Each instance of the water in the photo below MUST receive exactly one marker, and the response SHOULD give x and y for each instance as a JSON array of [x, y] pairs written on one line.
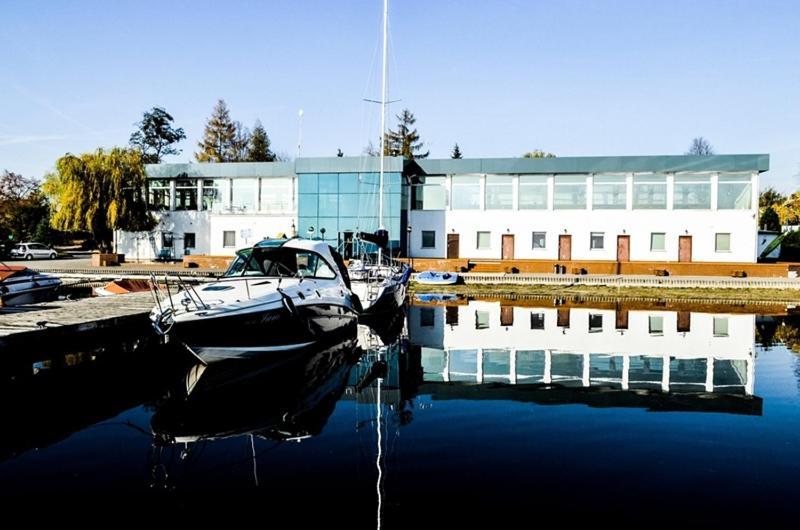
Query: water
[[471, 411]]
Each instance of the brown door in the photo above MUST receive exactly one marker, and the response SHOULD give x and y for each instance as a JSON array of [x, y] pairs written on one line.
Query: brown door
[[623, 248], [684, 321], [562, 317], [564, 248], [508, 246], [452, 246], [621, 321], [685, 248], [506, 315]]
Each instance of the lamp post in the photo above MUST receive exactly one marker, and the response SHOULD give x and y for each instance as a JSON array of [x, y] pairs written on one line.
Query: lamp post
[[408, 246]]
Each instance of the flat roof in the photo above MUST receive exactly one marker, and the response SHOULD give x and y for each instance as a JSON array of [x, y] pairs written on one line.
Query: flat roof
[[447, 166]]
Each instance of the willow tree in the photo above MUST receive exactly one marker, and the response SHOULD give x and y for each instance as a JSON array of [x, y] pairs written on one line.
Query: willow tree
[[100, 192]]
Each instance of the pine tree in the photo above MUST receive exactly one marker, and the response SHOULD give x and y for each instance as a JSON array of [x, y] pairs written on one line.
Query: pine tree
[[456, 153], [219, 136], [404, 141], [258, 150], [155, 137], [240, 144]]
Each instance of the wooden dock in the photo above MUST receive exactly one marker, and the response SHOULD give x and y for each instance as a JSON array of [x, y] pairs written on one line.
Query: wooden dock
[[52, 320]]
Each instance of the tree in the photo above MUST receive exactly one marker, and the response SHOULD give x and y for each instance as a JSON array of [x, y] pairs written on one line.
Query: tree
[[219, 136], [770, 197], [404, 141], [258, 150], [538, 153], [22, 207], [769, 220], [456, 153], [240, 144], [155, 136], [789, 210], [100, 192], [700, 147]]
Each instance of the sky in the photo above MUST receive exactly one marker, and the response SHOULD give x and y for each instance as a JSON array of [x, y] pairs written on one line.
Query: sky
[[500, 77]]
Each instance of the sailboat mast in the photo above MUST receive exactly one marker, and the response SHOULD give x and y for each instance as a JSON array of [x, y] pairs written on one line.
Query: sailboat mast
[[384, 97]]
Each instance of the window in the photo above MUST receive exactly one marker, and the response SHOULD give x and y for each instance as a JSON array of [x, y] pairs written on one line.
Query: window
[[734, 192], [186, 194], [430, 195], [595, 323], [569, 192], [188, 240], [537, 320], [466, 193], [228, 238], [276, 195], [649, 192], [692, 192], [244, 198], [722, 243], [596, 240], [428, 239], [533, 192], [167, 240], [311, 265], [499, 192], [656, 325], [426, 317], [539, 239], [658, 241], [720, 326], [215, 194], [481, 320], [609, 192], [484, 240], [158, 194]]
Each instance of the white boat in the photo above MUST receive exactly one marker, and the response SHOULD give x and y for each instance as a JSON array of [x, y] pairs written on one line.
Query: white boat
[[21, 285], [436, 278], [278, 295]]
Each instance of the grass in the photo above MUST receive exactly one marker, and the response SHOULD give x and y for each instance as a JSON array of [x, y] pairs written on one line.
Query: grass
[[745, 295]]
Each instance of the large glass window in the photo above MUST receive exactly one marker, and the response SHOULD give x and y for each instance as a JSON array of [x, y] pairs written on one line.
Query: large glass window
[[692, 192], [430, 195], [649, 192], [428, 239], [158, 194], [499, 192], [328, 183], [569, 192], [215, 193], [484, 240], [722, 243], [186, 194], [734, 192], [276, 195], [533, 192], [609, 192], [466, 193], [245, 195]]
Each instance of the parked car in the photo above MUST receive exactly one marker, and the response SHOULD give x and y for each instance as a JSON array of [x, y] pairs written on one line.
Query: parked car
[[33, 251]]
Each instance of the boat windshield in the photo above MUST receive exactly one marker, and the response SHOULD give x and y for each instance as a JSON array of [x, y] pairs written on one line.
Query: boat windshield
[[280, 262]]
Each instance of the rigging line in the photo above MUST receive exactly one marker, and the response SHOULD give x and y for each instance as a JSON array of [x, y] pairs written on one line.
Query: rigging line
[[380, 451]]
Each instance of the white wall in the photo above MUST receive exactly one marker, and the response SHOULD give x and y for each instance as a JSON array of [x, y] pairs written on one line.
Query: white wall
[[145, 246], [249, 229]]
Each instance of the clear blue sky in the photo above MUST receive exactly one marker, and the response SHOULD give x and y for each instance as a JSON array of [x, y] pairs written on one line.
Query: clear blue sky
[[498, 77]]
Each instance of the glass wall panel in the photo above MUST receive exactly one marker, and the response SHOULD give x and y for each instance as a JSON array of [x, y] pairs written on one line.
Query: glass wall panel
[[276, 195], [328, 183], [186, 194], [533, 192], [499, 192], [734, 192], [609, 192], [348, 183], [465, 193], [431, 195], [569, 192], [215, 194], [649, 192], [692, 192], [158, 194], [245, 195], [496, 363], [328, 205], [530, 364], [307, 183]]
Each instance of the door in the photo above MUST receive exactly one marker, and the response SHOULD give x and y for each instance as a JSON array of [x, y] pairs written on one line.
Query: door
[[506, 315], [562, 317], [508, 246], [621, 319], [685, 248], [684, 321], [452, 246], [623, 248], [564, 248]]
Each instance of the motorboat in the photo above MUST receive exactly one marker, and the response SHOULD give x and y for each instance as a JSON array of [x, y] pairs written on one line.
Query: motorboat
[[21, 285], [278, 295], [436, 278], [382, 285]]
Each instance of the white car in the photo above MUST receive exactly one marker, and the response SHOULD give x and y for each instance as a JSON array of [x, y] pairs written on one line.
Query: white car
[[33, 251]]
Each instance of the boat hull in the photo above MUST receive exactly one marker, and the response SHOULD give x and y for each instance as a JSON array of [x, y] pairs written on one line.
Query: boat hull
[[30, 296], [389, 299]]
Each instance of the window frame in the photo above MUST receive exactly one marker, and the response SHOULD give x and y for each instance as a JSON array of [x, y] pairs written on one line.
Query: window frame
[[422, 240], [717, 241], [224, 239], [592, 236], [543, 237], [664, 242], [478, 240]]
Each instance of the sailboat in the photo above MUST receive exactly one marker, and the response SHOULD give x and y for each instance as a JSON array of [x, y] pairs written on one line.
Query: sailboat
[[380, 286]]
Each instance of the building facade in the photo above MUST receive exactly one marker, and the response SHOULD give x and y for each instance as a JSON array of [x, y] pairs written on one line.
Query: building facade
[[642, 208]]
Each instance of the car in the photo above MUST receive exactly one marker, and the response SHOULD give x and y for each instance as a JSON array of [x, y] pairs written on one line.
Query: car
[[33, 250]]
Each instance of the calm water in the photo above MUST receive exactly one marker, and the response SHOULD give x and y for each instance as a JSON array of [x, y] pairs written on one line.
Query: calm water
[[470, 411]]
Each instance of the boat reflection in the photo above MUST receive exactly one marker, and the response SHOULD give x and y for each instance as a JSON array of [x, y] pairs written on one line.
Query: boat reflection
[[660, 360]]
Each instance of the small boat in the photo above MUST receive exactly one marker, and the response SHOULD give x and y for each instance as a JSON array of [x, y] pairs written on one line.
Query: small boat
[[436, 297], [122, 286], [21, 285], [279, 294], [437, 278], [380, 286]]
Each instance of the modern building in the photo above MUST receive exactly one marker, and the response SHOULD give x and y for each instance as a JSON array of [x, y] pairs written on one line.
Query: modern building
[[637, 208]]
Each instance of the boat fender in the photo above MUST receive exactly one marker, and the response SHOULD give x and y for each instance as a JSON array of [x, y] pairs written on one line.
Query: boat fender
[[288, 303]]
